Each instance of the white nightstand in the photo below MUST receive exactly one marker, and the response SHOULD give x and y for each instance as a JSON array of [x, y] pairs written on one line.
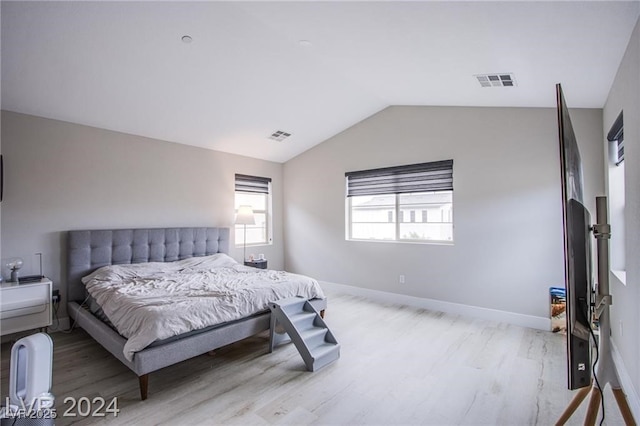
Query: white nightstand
[[25, 306]]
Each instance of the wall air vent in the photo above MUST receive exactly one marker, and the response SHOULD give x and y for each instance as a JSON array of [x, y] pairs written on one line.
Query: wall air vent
[[496, 80], [279, 135]]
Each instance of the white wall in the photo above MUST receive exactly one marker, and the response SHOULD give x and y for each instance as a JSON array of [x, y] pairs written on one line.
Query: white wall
[[1, 203], [625, 95], [508, 246], [61, 176]]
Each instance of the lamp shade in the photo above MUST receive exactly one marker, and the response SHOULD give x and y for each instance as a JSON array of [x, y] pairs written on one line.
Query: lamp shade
[[245, 216]]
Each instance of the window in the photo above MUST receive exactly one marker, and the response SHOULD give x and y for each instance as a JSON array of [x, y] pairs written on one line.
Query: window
[[616, 135], [617, 197], [420, 196], [254, 191]]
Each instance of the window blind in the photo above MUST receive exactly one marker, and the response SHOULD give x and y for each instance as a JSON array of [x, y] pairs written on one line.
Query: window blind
[[616, 134], [253, 184], [620, 151], [424, 177]]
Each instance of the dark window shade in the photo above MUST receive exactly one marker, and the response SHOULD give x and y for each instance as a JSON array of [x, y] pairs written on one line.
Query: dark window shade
[[617, 130], [620, 151], [424, 177], [253, 184], [616, 134]]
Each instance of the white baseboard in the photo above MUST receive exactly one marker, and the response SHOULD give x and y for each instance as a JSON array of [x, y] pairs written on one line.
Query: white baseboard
[[626, 382], [530, 321]]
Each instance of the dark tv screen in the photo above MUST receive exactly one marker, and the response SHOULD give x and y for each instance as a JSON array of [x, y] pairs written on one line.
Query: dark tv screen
[[577, 252]]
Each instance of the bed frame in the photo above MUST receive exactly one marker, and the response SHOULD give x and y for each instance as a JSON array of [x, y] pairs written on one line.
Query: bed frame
[[89, 250]]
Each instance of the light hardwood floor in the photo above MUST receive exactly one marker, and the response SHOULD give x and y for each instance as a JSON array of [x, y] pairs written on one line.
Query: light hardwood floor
[[398, 365]]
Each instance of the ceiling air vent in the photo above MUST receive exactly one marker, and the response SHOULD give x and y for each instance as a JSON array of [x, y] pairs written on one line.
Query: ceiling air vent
[[279, 135], [496, 80]]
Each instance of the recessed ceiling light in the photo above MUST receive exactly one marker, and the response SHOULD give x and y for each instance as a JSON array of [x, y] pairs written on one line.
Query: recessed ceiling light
[[305, 43], [186, 39], [503, 79]]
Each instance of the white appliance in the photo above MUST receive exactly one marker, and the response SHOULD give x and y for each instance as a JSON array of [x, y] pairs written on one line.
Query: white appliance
[[30, 377]]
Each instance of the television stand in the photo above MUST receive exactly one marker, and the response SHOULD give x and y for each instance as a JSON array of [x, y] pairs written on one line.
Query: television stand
[[606, 372]]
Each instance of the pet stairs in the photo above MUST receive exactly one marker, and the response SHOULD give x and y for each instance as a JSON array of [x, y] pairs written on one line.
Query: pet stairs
[[306, 329]]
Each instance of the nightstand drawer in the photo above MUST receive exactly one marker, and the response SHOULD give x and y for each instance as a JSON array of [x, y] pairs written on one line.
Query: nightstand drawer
[[260, 264], [25, 306]]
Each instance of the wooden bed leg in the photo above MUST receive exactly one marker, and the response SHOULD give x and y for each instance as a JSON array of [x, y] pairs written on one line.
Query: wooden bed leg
[[322, 313], [144, 386]]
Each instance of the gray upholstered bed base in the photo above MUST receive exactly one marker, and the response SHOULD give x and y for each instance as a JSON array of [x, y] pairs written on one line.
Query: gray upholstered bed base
[[89, 250]]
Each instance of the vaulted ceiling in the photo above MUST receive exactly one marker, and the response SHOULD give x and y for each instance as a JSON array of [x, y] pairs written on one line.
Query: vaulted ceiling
[[309, 69]]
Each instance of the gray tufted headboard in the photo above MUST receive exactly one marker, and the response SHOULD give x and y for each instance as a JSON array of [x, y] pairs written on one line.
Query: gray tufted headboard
[[89, 250]]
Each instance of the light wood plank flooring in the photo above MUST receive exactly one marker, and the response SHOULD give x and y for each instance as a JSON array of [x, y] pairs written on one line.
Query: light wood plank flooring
[[398, 365]]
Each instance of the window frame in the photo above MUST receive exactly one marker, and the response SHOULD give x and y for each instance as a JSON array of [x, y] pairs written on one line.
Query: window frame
[[616, 194], [268, 233], [398, 213], [421, 179]]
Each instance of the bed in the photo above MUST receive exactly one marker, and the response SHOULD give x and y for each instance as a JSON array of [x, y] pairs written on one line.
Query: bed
[[90, 250]]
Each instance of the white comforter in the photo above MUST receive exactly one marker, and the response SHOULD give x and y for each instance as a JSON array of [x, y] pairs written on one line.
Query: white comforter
[[153, 301]]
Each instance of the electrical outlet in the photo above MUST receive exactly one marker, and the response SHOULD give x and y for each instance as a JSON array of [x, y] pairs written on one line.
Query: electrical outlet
[[55, 296], [401, 279]]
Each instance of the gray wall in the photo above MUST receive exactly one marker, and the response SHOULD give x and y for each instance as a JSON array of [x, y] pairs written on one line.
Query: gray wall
[[508, 246], [625, 95], [62, 176]]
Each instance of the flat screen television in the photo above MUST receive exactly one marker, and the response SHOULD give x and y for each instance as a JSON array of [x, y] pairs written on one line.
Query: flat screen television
[[577, 252]]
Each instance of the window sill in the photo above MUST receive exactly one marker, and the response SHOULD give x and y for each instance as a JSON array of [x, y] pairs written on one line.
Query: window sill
[[429, 243], [621, 275], [239, 246]]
